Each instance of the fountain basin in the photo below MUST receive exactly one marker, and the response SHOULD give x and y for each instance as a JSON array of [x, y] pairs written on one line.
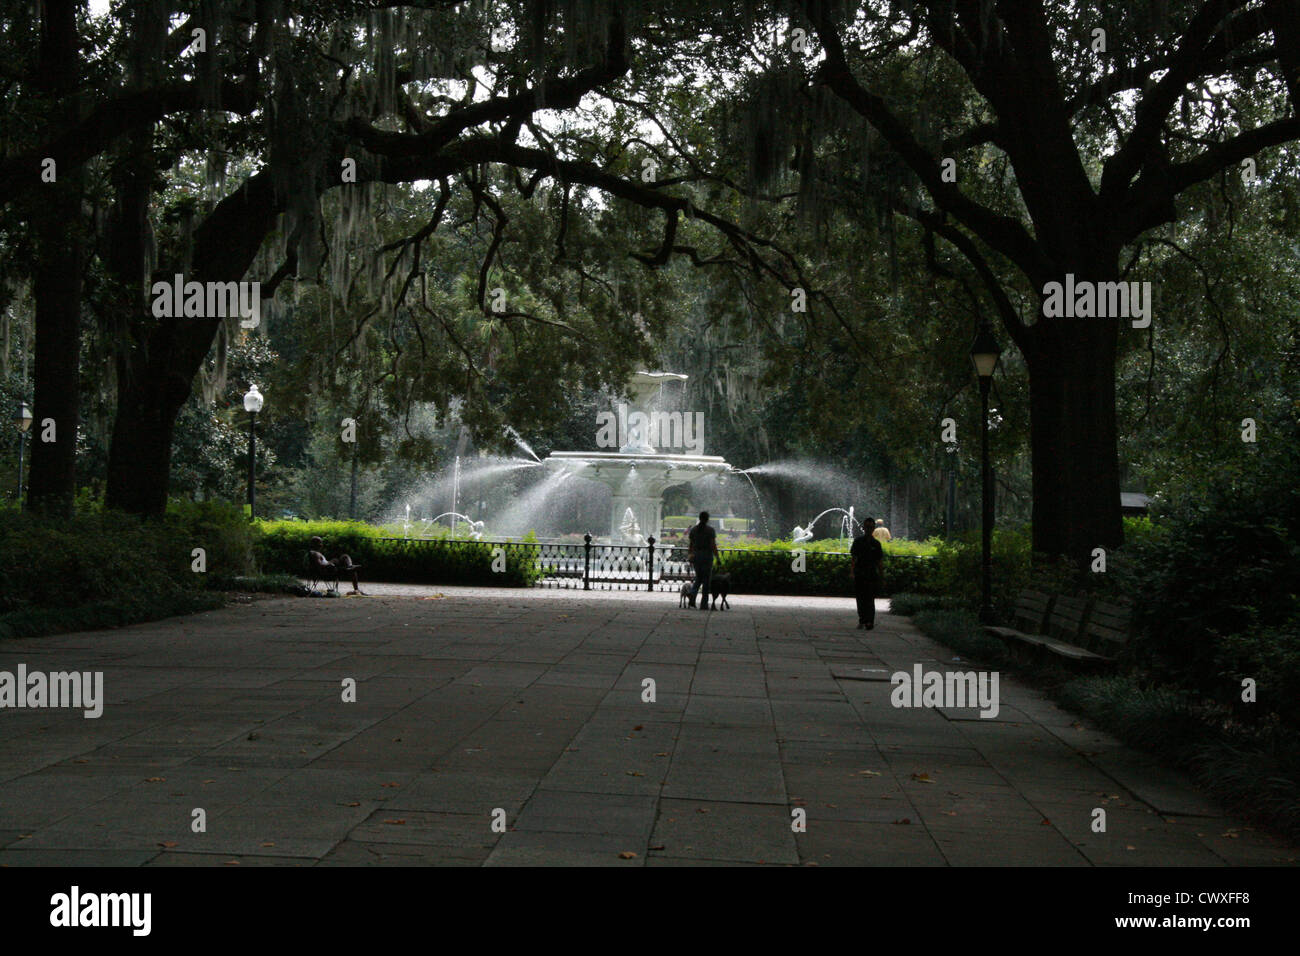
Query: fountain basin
[[637, 482]]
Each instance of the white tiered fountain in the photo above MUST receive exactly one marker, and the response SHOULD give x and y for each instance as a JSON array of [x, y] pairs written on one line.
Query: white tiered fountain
[[637, 474]]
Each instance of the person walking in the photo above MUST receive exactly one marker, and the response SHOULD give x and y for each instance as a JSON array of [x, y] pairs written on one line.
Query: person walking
[[866, 558], [881, 533], [702, 548]]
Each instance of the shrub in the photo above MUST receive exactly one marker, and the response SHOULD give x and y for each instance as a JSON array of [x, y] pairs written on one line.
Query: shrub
[[1223, 564], [910, 603], [959, 567], [1158, 718], [107, 568], [1271, 657], [961, 631], [282, 547]]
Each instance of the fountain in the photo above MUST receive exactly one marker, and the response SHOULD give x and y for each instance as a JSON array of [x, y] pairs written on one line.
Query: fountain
[[638, 474], [475, 527], [847, 523]]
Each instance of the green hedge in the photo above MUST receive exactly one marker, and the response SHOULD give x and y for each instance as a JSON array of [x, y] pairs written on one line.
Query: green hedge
[[106, 569], [282, 547], [774, 572]]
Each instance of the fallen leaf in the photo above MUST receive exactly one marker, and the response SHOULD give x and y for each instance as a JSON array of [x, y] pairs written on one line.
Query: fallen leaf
[[627, 855], [390, 784], [638, 727], [154, 779], [662, 754], [904, 820], [397, 823], [635, 773], [1044, 822], [268, 844], [659, 847], [922, 778], [232, 863], [169, 844], [701, 810]]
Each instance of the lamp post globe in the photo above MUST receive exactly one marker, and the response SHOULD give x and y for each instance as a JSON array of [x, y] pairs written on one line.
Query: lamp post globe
[[252, 405]]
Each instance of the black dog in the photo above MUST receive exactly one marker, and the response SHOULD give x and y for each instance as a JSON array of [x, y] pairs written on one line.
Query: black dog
[[720, 585]]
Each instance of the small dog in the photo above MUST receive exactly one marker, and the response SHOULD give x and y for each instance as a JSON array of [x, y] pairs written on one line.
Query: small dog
[[720, 585], [685, 595]]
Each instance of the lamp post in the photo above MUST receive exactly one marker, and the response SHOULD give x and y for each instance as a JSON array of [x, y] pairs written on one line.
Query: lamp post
[[950, 510], [252, 405], [984, 352], [22, 421]]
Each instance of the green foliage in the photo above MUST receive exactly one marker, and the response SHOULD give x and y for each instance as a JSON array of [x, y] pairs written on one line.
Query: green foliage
[[107, 569], [1224, 563], [907, 603], [961, 631], [282, 547], [1158, 718], [959, 563], [1271, 657], [772, 572]]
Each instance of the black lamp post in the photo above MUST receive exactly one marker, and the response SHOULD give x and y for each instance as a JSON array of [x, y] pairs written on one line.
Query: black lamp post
[[252, 405], [22, 421], [984, 352]]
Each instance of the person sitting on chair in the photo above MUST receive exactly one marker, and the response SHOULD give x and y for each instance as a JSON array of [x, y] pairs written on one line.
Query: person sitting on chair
[[341, 564]]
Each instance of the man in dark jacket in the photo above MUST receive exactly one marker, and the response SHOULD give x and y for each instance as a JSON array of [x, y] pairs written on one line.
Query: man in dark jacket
[[867, 557], [703, 548]]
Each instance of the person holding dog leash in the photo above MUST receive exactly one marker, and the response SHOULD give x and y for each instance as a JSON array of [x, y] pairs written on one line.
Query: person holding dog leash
[[702, 541]]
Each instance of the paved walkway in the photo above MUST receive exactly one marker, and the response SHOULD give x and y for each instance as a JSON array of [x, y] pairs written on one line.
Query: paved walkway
[[531, 703]]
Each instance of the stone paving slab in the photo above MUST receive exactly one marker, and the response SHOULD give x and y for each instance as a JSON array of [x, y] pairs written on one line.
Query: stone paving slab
[[511, 728]]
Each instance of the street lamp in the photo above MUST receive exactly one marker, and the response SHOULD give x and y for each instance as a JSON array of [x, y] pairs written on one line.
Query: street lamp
[[22, 421], [252, 405], [984, 352]]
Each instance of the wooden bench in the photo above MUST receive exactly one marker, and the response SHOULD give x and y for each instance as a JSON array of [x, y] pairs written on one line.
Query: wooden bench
[[1107, 630], [1071, 627], [1032, 610]]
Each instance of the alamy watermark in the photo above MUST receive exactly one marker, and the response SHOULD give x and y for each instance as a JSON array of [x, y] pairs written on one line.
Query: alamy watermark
[[1098, 300], [660, 430], [208, 300], [953, 689], [37, 689], [77, 909]]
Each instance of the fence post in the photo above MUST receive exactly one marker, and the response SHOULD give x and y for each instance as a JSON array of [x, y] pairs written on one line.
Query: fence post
[[586, 562], [650, 579]]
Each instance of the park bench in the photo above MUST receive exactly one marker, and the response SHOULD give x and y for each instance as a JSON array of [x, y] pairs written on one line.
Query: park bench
[[1107, 629], [1070, 627]]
